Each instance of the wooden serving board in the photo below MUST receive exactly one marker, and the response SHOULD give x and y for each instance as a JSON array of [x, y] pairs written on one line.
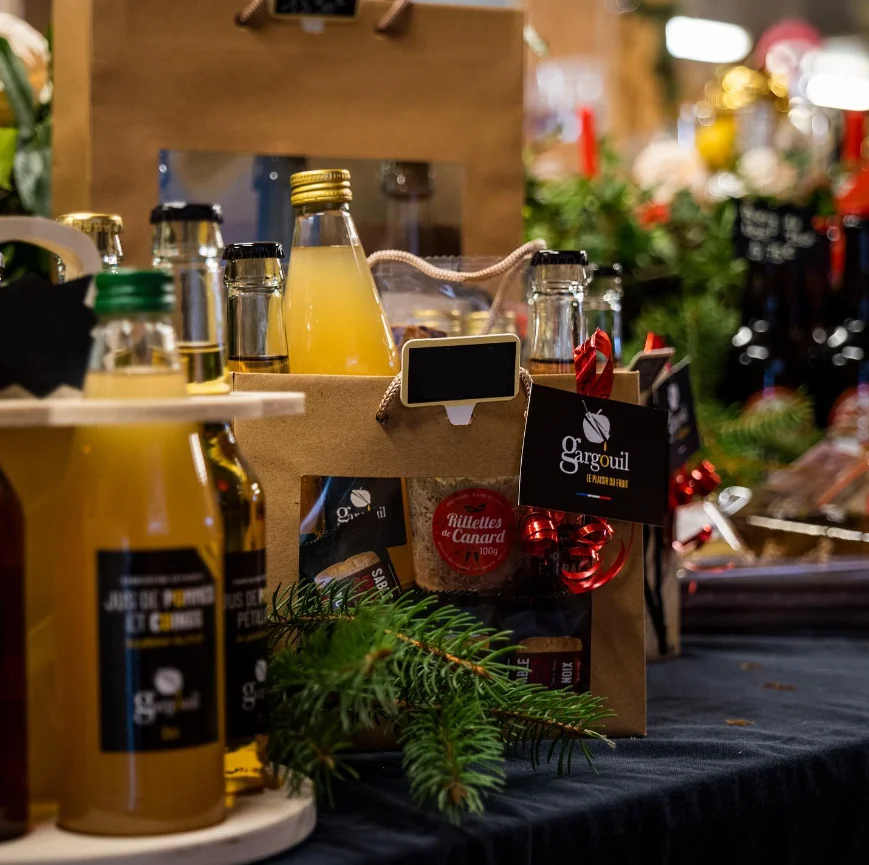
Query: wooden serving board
[[76, 411], [255, 828]]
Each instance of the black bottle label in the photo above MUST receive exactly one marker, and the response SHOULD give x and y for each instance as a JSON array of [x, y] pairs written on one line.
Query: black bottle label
[[158, 658], [246, 640]]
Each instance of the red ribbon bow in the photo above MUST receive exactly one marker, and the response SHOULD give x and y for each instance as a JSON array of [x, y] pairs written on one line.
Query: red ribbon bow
[[579, 539], [698, 483]]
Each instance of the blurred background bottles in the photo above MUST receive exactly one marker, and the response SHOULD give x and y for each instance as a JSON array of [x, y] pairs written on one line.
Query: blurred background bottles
[[13, 669], [105, 230], [407, 188], [602, 304], [555, 319], [764, 363], [335, 321], [254, 280], [186, 243], [145, 529], [846, 355]]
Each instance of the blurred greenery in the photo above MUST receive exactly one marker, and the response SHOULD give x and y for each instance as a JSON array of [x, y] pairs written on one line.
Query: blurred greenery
[[686, 246], [25, 162]]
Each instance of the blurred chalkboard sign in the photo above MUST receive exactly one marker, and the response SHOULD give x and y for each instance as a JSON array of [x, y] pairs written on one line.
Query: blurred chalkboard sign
[[345, 9], [773, 234]]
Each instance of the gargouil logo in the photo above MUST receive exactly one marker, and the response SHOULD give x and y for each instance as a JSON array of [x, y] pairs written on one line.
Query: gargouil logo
[[360, 501], [596, 429]]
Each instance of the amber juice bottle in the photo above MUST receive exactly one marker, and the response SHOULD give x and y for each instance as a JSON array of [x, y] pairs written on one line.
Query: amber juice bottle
[[13, 672], [242, 505], [188, 252], [140, 630]]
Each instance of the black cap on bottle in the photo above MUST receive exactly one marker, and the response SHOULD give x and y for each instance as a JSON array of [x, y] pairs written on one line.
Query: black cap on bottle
[[607, 271], [181, 211], [257, 249], [558, 257]]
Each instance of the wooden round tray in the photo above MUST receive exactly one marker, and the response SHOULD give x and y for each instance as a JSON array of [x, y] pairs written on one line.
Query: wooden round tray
[[255, 828], [76, 411]]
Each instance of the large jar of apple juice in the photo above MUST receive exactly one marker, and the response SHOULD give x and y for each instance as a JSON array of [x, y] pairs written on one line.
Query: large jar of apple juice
[[139, 603]]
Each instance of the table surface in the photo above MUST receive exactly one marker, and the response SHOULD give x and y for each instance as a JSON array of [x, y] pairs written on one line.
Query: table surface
[[792, 787]]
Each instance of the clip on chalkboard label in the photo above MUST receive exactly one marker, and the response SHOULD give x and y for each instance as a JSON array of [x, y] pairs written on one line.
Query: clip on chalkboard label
[[458, 372]]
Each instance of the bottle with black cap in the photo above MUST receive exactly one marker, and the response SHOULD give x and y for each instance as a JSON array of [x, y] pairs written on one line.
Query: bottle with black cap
[[254, 280], [186, 243], [602, 304], [556, 324]]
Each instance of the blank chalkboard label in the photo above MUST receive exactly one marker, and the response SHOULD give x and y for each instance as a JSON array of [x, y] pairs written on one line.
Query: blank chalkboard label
[[315, 8], [461, 370]]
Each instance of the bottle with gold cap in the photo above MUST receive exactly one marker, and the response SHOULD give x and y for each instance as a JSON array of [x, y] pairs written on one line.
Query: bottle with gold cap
[[335, 321], [105, 230]]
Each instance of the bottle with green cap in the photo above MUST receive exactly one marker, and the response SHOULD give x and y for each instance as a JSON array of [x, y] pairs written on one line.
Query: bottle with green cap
[[139, 606]]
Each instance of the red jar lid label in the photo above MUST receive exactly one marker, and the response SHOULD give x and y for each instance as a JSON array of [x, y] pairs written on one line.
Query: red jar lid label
[[473, 530]]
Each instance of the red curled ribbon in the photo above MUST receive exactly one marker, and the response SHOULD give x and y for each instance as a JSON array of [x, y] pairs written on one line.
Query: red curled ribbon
[[578, 540], [588, 381]]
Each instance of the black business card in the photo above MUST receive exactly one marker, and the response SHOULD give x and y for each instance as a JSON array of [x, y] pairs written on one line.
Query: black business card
[[594, 456], [674, 396]]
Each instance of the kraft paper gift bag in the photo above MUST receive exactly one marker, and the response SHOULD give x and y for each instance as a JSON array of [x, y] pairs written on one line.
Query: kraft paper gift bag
[[339, 437], [133, 78]]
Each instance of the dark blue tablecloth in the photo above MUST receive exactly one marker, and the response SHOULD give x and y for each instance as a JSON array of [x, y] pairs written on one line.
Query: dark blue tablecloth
[[791, 788]]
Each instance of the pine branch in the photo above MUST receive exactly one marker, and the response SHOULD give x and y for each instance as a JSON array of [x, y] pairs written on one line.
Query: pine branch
[[453, 756], [345, 663]]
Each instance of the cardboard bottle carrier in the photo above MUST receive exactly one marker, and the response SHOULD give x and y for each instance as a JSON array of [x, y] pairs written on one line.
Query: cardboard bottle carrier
[[339, 437]]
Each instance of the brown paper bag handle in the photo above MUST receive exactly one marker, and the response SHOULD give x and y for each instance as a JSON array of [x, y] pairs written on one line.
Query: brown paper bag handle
[[508, 266], [394, 388], [384, 25]]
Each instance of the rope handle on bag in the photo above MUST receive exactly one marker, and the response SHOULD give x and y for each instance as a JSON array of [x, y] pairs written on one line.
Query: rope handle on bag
[[508, 266], [384, 25]]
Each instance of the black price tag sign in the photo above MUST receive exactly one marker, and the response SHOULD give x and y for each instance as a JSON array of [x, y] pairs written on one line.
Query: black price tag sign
[[674, 395], [649, 365], [346, 9], [458, 372], [594, 456], [773, 235]]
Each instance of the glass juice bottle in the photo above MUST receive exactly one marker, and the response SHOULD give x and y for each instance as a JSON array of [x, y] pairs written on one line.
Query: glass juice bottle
[[335, 321], [186, 243], [254, 280], [556, 323], [105, 230], [142, 693], [242, 507], [335, 324], [13, 672]]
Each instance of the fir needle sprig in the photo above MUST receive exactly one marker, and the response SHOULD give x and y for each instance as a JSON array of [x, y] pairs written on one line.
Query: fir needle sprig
[[344, 664]]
